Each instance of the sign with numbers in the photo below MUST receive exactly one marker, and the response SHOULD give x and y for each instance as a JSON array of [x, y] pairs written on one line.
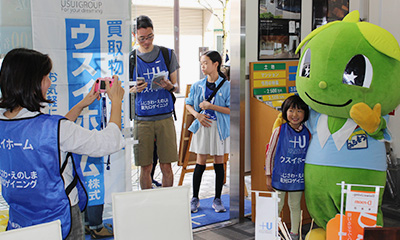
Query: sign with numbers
[[273, 81]]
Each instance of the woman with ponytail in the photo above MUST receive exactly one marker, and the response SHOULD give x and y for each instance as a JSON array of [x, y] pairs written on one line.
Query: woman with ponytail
[[211, 127]]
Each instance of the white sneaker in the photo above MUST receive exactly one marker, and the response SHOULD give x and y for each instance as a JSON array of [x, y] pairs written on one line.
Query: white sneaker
[[194, 204], [218, 206]]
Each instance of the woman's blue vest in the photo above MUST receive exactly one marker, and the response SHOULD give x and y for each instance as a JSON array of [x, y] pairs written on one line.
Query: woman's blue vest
[[31, 173], [151, 102], [291, 150]]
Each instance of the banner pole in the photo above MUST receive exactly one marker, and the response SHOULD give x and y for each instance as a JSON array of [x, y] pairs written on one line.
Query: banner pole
[[341, 210]]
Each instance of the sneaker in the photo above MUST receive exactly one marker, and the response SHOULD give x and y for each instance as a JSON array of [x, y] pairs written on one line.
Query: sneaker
[[194, 204], [294, 236], [218, 206], [101, 233]]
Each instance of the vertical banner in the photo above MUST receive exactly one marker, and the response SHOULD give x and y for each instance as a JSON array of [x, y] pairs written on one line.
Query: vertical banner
[[83, 57], [266, 226], [86, 39]]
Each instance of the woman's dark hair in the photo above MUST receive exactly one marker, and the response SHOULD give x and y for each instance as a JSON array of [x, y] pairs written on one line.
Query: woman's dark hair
[[144, 22], [215, 57], [21, 76], [294, 102]]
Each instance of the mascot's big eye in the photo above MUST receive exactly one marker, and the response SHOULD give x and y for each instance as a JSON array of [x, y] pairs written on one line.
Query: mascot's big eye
[[305, 64], [358, 72]]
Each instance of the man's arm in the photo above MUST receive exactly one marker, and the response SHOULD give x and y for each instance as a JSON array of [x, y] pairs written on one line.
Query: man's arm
[[173, 77], [173, 68]]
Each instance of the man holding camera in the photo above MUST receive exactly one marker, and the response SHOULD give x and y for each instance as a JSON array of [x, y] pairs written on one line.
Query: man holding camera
[[153, 105]]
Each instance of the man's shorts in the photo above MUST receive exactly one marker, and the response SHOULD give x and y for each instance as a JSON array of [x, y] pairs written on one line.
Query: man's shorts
[[163, 131]]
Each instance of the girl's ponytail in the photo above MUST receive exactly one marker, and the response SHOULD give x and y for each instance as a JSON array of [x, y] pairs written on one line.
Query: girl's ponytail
[[220, 73]]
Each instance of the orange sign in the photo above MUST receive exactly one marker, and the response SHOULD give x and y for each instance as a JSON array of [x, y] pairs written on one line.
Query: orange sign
[[361, 212], [352, 227]]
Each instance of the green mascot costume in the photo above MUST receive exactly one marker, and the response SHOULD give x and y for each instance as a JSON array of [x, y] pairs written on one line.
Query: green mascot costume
[[349, 75]]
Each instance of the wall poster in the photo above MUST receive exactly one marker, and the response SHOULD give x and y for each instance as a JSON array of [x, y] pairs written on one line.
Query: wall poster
[[279, 29]]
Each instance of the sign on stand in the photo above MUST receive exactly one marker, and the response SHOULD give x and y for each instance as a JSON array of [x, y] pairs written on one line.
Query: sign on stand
[[361, 212], [266, 216]]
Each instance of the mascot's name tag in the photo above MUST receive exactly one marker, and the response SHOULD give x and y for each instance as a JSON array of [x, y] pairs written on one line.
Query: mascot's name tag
[[357, 140]]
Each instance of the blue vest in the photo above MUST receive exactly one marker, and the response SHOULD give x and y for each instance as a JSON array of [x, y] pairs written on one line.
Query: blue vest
[[151, 102], [291, 150], [31, 173]]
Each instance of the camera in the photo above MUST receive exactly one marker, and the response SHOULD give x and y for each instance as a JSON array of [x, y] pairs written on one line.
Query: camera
[[101, 84]]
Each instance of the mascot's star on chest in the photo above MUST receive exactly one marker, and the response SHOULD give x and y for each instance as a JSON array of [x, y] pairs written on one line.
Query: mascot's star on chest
[[349, 75]]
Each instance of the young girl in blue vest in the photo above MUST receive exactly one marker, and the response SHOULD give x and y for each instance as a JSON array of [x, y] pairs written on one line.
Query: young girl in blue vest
[[285, 157], [211, 127], [40, 180]]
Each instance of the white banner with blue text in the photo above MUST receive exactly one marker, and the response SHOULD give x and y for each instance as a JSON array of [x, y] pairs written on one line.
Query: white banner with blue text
[[86, 40]]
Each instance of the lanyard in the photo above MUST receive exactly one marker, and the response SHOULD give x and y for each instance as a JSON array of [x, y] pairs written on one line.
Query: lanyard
[[103, 123]]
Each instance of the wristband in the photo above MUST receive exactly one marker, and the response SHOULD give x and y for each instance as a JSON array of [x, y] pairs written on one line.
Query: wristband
[[172, 89]]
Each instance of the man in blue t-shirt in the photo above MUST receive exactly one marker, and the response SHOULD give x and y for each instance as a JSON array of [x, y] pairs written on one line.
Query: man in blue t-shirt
[[155, 84]]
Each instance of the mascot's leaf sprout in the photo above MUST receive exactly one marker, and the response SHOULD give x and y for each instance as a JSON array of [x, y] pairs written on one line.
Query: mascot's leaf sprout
[[349, 62], [378, 37]]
